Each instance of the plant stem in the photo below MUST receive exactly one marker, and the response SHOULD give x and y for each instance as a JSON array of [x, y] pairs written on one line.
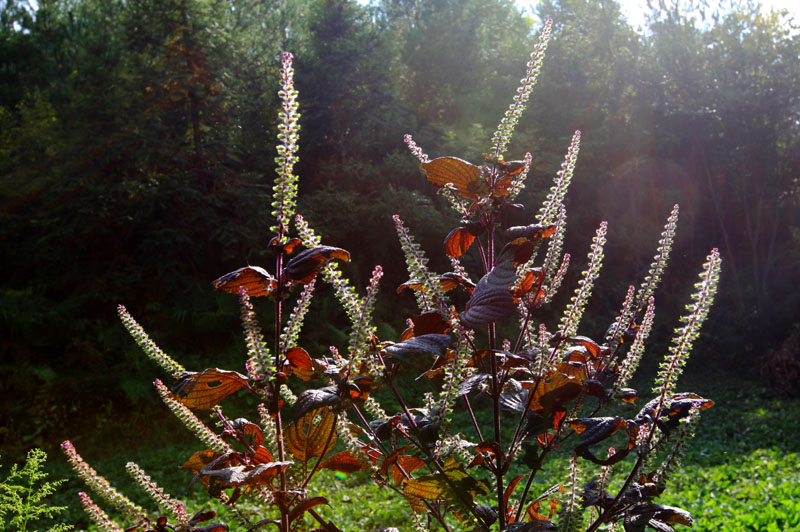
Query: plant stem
[[276, 388]]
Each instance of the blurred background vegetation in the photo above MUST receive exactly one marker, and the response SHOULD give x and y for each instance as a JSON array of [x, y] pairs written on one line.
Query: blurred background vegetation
[[136, 156]]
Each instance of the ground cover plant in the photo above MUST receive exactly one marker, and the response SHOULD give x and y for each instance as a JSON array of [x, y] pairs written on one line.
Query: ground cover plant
[[542, 387], [22, 496]]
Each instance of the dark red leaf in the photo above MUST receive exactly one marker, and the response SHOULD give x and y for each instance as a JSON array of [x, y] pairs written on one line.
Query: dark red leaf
[[427, 323], [289, 247], [427, 343], [409, 464], [304, 506], [250, 432], [458, 242], [510, 488], [257, 281], [303, 267], [314, 399], [447, 281], [216, 527], [465, 176], [206, 389], [491, 300]]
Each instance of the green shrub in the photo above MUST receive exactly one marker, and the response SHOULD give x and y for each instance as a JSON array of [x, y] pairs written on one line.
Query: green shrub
[[22, 495]]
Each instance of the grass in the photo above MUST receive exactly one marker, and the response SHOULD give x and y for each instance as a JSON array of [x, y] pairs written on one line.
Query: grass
[[742, 472]]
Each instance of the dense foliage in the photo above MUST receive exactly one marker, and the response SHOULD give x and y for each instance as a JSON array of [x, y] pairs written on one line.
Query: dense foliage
[[551, 383], [134, 145]]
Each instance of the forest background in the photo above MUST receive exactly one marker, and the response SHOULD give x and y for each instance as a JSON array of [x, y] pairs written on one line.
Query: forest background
[[136, 155]]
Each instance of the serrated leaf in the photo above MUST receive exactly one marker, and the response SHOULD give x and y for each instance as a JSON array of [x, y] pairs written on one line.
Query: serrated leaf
[[312, 435], [304, 266], [199, 460], [471, 384], [427, 343], [315, 399], [250, 432], [447, 281], [459, 487], [533, 232], [554, 392], [596, 429], [464, 175], [661, 512], [345, 461], [304, 506], [537, 525], [206, 389], [242, 475], [409, 464], [458, 241], [491, 299], [216, 527], [426, 323], [257, 281]]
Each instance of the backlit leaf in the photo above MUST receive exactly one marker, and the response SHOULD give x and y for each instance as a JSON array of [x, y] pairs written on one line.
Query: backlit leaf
[[459, 487], [303, 267], [409, 464], [447, 281], [533, 232], [242, 475], [464, 175], [256, 280], [206, 389], [199, 460], [554, 392], [533, 278], [300, 363], [427, 323], [345, 461], [292, 245], [458, 242], [250, 432], [312, 435]]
